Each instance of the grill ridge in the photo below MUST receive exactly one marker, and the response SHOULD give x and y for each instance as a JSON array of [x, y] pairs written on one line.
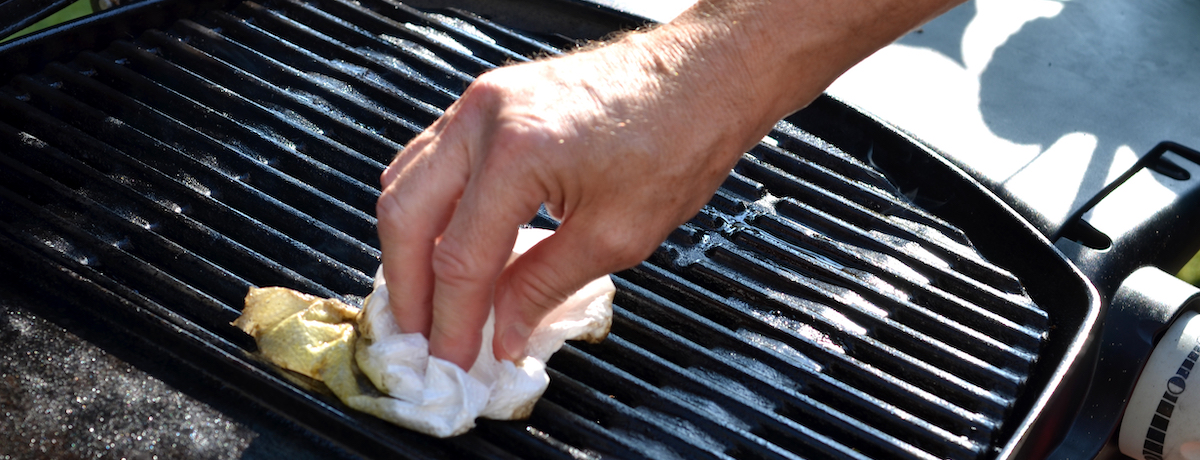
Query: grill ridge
[[809, 311], [774, 398]]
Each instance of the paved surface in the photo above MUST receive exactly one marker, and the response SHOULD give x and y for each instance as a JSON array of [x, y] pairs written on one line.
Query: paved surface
[[1047, 99], [63, 396]]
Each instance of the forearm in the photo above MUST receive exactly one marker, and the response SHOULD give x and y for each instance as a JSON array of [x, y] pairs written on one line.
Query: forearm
[[771, 57]]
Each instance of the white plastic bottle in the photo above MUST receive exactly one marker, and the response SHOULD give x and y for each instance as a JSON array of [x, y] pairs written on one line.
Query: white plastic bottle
[[1162, 421]]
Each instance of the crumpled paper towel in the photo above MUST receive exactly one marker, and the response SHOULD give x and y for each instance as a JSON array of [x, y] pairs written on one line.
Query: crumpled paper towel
[[377, 369]]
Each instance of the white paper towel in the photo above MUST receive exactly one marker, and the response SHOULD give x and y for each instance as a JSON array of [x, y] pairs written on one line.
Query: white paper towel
[[415, 390]]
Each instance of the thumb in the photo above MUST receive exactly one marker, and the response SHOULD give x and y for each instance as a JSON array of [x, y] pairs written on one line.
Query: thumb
[[543, 278]]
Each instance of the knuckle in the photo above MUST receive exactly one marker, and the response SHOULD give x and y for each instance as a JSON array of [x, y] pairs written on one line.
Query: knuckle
[[498, 79], [389, 210], [453, 266], [488, 80], [537, 291], [624, 247], [518, 132], [515, 135], [487, 90]]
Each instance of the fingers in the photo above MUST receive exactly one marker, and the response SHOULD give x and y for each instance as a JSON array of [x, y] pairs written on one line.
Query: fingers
[[415, 147], [417, 202], [447, 224], [470, 256], [555, 268]]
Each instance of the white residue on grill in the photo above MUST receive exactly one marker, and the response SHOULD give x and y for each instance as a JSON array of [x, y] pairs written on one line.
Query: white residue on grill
[[438, 36], [395, 64], [266, 133], [340, 87], [838, 293], [217, 164], [418, 50], [653, 448], [783, 350], [119, 243], [686, 430], [30, 140], [737, 390], [839, 319], [854, 299], [165, 203], [710, 408], [366, 74], [575, 452], [764, 205], [64, 246], [133, 217], [912, 249], [194, 184], [319, 103], [148, 191], [784, 323], [892, 265], [292, 116], [464, 27], [938, 237], [765, 372]]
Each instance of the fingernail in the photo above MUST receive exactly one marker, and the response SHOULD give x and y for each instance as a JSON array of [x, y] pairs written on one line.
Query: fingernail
[[514, 341]]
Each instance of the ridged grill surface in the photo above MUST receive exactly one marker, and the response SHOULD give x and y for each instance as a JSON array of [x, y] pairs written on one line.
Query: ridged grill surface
[[808, 311]]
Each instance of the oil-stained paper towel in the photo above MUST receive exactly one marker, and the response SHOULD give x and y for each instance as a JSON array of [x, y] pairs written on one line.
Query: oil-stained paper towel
[[372, 367]]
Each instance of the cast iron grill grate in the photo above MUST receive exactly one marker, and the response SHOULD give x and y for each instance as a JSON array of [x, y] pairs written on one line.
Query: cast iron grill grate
[[810, 310]]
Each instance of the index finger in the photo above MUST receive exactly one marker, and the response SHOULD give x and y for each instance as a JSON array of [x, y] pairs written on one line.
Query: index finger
[[413, 209]]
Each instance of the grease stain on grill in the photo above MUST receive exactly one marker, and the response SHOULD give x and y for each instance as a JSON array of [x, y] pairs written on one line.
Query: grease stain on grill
[[270, 134], [166, 203], [710, 408], [135, 218], [395, 64], [66, 247], [439, 36], [365, 74], [418, 50], [574, 452], [319, 103], [339, 87], [683, 428], [463, 27], [781, 322], [30, 140], [193, 183]]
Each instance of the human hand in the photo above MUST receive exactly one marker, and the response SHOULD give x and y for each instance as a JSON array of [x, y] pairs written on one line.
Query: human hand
[[622, 143], [607, 144]]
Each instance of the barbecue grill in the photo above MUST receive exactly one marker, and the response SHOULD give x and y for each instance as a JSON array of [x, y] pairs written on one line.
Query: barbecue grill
[[847, 293]]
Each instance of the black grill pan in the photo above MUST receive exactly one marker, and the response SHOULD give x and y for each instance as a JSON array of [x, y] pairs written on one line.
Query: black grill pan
[[846, 293]]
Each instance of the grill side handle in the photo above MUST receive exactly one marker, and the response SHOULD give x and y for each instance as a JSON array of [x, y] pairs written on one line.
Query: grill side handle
[[1130, 240], [1143, 218]]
